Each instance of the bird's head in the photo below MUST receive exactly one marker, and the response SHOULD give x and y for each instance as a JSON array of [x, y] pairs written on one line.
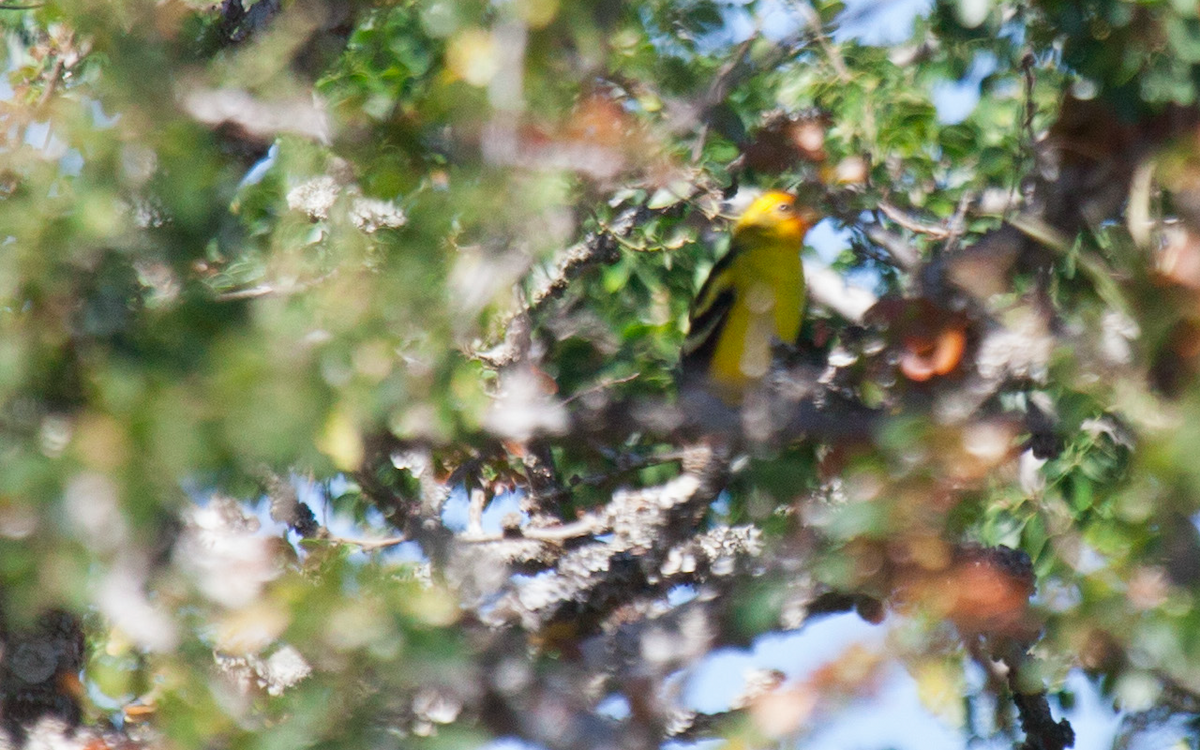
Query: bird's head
[[776, 215]]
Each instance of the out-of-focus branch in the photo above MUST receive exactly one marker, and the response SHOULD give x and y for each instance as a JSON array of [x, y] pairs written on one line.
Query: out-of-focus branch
[[596, 249], [419, 519], [829, 289], [52, 81], [1005, 628], [913, 225], [286, 506], [1094, 155], [643, 524], [623, 464], [542, 482], [641, 646], [742, 65], [831, 53], [275, 289], [901, 252], [1042, 732], [732, 71], [258, 117], [588, 526], [601, 247], [370, 545]]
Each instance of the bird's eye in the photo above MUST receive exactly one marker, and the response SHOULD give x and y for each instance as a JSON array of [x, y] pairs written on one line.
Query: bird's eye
[[784, 208]]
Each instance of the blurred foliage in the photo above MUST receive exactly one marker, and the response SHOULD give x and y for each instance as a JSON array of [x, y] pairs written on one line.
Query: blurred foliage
[[253, 251]]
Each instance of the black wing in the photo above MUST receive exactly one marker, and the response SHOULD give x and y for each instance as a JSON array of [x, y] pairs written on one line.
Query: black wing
[[710, 309]]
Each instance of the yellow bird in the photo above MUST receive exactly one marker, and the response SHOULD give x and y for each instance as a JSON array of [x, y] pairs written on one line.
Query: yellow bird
[[753, 296]]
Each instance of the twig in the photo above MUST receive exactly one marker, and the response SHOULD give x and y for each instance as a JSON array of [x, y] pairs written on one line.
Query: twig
[[52, 80], [601, 247], [1027, 62], [958, 223], [588, 526], [619, 238], [912, 225], [541, 483], [262, 290], [1095, 269], [831, 52], [1042, 732], [271, 289], [370, 545], [419, 518], [1025, 140], [601, 386], [626, 463], [596, 248], [730, 74], [698, 146], [905, 257]]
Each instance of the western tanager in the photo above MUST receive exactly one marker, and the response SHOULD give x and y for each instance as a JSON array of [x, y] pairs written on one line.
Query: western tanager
[[753, 296]]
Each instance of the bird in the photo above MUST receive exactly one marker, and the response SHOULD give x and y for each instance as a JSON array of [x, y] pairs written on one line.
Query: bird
[[753, 297]]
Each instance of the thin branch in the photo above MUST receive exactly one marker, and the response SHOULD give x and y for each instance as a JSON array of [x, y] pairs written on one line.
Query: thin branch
[[728, 75], [901, 252], [370, 545], [996, 675], [1025, 140], [419, 518], [698, 146], [595, 249], [1042, 732], [912, 225], [601, 386], [275, 289], [52, 80], [1175, 696], [625, 464], [1030, 105], [732, 72], [1095, 269], [958, 223], [831, 52], [584, 527], [262, 290]]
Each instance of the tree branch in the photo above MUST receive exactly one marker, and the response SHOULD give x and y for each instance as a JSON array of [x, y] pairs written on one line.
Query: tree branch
[[911, 224], [275, 289], [596, 249]]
